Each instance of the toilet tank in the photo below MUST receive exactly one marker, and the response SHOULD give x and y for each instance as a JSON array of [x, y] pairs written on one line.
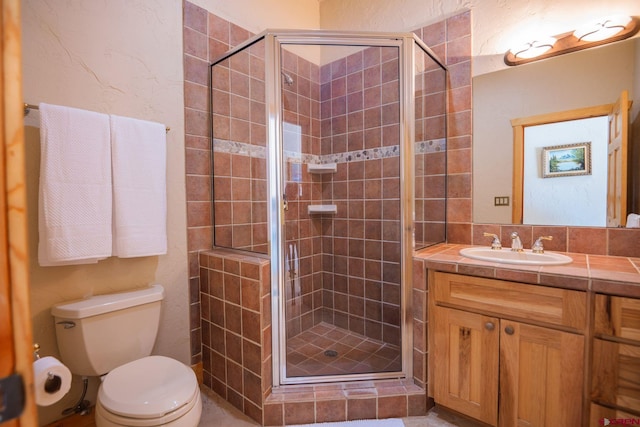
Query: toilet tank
[[102, 332]]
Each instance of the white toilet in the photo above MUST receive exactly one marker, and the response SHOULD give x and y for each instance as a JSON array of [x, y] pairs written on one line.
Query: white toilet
[[112, 336]]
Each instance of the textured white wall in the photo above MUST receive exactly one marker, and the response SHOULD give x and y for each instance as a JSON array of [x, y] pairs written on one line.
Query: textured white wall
[[259, 15], [382, 15]]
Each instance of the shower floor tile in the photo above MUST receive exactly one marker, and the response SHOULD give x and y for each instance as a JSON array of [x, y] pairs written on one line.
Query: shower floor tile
[[325, 349]]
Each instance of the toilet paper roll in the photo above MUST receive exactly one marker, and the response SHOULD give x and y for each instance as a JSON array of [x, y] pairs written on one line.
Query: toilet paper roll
[[52, 380]]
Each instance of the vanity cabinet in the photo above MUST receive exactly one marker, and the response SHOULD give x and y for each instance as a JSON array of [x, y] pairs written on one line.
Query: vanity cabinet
[[507, 353], [615, 365]]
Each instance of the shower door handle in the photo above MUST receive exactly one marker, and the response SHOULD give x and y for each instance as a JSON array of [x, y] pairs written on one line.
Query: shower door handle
[[285, 203]]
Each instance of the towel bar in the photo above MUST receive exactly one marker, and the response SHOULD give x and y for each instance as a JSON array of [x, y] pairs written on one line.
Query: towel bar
[[29, 107]]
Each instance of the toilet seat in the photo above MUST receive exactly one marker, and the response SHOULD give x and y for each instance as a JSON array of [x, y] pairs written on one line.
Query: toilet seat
[[186, 416], [154, 387]]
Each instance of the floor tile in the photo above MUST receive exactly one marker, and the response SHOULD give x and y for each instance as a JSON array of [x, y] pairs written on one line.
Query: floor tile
[[216, 412], [353, 353]]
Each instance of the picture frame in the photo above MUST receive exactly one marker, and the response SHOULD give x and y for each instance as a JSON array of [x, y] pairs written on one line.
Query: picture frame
[[566, 160]]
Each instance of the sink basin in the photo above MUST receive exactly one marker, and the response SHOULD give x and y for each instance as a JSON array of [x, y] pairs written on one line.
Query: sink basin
[[505, 255]]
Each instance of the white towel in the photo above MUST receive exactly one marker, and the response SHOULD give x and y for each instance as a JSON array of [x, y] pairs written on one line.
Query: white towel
[[138, 151], [74, 220], [633, 220]]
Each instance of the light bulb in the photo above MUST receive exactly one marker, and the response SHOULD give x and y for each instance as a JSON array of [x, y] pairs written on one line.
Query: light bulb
[[602, 29], [534, 48]]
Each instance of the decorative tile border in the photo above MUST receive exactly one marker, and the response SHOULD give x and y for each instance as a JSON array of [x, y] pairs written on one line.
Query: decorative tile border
[[230, 147], [242, 148], [431, 146]]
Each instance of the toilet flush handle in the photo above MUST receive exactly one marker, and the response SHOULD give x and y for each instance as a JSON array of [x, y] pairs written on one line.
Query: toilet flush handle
[[68, 324]]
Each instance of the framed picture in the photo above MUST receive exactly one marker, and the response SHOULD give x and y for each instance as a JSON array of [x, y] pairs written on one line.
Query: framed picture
[[566, 160]]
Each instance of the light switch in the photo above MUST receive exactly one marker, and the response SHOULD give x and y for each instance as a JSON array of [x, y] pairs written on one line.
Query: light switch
[[501, 201]]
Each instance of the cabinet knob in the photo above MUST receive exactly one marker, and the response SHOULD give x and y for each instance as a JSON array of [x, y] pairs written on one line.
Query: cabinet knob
[[489, 326], [509, 330]]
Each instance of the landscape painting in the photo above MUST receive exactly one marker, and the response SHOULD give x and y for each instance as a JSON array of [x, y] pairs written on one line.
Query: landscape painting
[[566, 160]]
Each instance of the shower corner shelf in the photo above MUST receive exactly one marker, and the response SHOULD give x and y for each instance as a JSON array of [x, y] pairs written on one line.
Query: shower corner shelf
[[322, 167], [322, 209]]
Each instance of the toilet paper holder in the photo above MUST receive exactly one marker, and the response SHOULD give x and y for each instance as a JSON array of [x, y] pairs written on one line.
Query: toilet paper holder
[[53, 382]]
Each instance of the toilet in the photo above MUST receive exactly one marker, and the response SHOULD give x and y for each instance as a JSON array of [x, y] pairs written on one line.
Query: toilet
[[112, 336]]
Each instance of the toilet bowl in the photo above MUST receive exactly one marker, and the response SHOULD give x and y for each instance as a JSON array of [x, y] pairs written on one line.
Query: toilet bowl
[[152, 391], [111, 336]]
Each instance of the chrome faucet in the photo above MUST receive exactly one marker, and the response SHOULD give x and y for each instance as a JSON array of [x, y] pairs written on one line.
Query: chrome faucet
[[516, 243], [537, 247], [495, 244]]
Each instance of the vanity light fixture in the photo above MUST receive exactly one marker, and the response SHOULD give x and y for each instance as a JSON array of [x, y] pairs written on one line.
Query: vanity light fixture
[[601, 32]]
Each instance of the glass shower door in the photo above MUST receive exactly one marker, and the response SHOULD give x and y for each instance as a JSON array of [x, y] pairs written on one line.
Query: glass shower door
[[342, 222]]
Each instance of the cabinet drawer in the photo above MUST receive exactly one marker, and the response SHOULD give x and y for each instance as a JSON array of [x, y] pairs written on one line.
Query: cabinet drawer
[[615, 374], [517, 300], [617, 317]]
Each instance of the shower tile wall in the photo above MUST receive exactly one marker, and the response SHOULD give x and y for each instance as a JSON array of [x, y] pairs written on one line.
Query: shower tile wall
[[430, 152], [360, 131], [236, 328], [239, 151], [205, 37]]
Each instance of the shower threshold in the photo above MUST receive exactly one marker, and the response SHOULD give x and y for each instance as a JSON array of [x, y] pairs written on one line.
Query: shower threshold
[[325, 349]]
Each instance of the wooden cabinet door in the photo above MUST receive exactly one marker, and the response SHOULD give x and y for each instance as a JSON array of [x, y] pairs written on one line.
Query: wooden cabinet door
[[615, 375], [541, 376], [465, 358]]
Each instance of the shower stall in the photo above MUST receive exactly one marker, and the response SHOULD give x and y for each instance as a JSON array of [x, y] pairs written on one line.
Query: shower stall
[[329, 157]]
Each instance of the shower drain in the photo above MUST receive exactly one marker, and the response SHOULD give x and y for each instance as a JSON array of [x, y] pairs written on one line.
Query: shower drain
[[330, 353]]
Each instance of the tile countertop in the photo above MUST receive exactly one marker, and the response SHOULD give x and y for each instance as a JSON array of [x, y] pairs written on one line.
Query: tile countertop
[[599, 273]]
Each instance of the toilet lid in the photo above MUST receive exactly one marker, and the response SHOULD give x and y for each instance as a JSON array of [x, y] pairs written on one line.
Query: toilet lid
[[148, 388]]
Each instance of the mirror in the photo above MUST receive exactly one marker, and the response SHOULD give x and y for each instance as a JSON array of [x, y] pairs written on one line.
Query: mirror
[[582, 79]]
